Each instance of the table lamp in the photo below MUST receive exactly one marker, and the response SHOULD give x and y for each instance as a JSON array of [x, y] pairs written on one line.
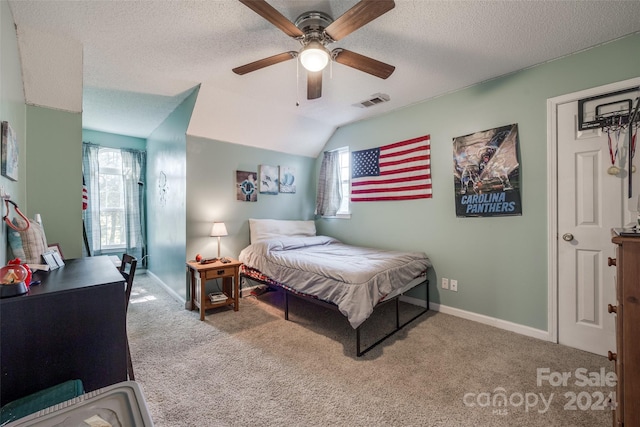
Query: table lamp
[[218, 230]]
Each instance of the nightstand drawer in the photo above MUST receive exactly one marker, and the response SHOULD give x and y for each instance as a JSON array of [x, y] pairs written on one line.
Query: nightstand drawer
[[219, 272]]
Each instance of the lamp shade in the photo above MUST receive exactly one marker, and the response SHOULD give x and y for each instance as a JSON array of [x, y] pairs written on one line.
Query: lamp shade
[[218, 229], [314, 56]]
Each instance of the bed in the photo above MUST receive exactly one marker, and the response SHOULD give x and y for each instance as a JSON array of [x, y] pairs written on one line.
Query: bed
[[351, 279]]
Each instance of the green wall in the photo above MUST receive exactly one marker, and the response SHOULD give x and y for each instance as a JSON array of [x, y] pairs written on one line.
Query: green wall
[[12, 110], [211, 194], [113, 140], [500, 263], [50, 153], [54, 175], [166, 157]]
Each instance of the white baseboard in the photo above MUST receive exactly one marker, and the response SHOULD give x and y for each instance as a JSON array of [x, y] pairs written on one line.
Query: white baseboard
[[170, 291], [481, 318], [174, 294]]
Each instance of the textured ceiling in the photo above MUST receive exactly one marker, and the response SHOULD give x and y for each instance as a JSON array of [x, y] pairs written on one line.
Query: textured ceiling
[[140, 59]]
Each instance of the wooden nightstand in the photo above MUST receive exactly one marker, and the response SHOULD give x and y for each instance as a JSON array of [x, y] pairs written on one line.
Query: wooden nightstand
[[216, 270]]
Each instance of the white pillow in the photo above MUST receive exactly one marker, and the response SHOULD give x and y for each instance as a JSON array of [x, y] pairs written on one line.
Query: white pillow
[[262, 229]]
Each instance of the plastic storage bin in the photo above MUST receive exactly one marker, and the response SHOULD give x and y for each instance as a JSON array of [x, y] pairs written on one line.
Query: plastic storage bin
[[120, 405]]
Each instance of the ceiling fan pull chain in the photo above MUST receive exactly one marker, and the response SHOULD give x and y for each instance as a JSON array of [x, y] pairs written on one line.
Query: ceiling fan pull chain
[[297, 82]]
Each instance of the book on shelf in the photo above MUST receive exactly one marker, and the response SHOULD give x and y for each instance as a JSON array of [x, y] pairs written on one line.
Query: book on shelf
[[217, 297]]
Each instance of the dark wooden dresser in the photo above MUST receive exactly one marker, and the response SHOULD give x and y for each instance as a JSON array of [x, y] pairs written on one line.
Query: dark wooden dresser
[[72, 326], [627, 311]]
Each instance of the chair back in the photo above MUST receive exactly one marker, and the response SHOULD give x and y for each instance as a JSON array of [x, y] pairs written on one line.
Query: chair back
[[128, 271]]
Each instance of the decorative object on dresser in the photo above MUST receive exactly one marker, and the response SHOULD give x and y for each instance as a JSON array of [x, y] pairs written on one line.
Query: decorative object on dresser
[[627, 310]]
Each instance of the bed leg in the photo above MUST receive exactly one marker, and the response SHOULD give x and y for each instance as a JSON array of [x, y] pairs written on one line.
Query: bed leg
[[286, 305], [398, 325]]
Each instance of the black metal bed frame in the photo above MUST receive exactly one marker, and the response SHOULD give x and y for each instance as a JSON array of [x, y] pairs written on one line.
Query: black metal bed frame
[[334, 307]]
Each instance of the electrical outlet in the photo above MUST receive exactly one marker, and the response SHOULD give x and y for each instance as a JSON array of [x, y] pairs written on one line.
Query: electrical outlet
[[454, 285], [445, 283]]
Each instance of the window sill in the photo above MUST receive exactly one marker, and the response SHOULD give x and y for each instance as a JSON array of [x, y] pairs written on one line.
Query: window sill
[[338, 216]]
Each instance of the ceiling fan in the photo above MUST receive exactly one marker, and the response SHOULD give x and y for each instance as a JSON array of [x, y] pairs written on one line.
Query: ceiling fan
[[316, 30]]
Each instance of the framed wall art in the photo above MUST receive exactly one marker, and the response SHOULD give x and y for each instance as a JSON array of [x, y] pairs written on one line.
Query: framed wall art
[[486, 170], [268, 183], [9, 152], [287, 179], [246, 186]]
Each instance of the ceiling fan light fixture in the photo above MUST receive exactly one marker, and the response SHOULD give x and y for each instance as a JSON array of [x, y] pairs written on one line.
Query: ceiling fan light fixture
[[314, 56]]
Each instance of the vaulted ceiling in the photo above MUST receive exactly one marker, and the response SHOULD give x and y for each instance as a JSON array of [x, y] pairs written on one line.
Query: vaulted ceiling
[[139, 59]]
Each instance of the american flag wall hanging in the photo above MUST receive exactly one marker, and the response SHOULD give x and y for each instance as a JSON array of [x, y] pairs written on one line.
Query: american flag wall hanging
[[85, 195], [399, 171]]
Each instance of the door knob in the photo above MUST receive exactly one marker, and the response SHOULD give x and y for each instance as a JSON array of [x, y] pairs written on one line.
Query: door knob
[[612, 308], [567, 237], [612, 356], [611, 262]]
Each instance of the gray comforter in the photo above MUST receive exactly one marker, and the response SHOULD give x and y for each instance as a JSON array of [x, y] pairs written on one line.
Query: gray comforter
[[354, 278]]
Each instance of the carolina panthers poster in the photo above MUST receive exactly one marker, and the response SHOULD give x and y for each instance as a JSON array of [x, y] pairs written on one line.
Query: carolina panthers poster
[[487, 173]]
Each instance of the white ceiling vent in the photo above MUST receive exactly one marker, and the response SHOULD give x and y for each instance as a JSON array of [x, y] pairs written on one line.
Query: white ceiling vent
[[376, 98]]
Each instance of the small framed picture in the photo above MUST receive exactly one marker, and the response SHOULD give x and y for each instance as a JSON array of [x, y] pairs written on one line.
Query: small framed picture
[[56, 248], [247, 186], [58, 259], [268, 182], [50, 259], [287, 179]]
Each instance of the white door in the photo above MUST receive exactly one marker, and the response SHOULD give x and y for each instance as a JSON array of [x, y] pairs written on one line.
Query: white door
[[590, 202]]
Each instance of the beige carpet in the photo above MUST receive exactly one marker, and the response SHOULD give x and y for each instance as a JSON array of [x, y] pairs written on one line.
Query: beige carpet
[[253, 368]]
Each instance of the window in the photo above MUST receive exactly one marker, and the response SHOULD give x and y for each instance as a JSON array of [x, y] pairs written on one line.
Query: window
[[345, 178], [112, 207], [332, 199], [114, 218]]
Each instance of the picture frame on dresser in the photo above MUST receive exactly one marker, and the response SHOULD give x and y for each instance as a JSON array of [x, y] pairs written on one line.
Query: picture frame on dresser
[[56, 248], [52, 259]]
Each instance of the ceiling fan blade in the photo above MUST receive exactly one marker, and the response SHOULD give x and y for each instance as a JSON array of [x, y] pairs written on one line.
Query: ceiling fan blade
[[269, 13], [261, 63], [314, 84], [362, 63], [358, 16]]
